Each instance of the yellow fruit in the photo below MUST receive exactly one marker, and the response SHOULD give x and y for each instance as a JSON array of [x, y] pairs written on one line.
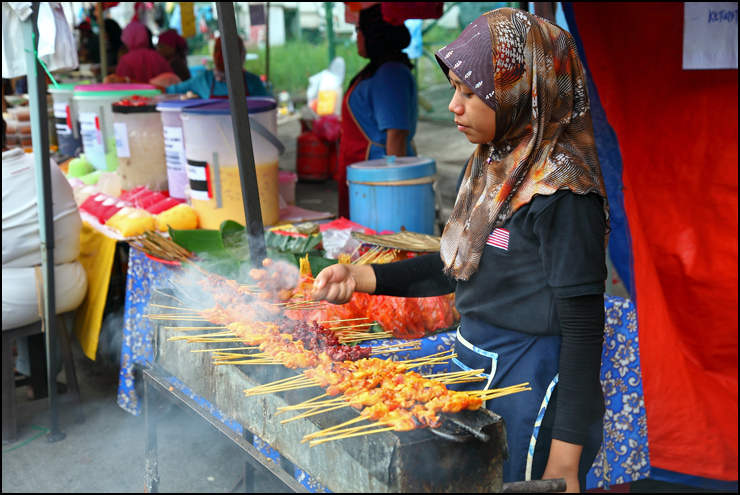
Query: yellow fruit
[[130, 223], [180, 217]]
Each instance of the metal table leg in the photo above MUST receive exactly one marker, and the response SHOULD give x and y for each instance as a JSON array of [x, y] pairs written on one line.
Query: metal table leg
[[152, 456], [257, 463]]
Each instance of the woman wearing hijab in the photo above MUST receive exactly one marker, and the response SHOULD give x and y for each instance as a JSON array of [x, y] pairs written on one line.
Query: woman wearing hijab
[[525, 246], [212, 83], [174, 48], [140, 63], [379, 111]]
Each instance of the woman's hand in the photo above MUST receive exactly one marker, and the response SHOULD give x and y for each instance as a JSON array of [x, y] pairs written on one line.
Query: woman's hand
[[337, 283], [563, 463]]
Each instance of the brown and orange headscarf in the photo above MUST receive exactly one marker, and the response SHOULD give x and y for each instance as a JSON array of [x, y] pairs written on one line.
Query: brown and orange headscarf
[[528, 70]]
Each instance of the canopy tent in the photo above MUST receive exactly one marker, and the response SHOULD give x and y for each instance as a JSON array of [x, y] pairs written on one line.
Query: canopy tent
[[669, 153]]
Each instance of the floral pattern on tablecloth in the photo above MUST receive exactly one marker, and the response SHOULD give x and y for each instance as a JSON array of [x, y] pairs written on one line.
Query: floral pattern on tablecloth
[[144, 275], [624, 455]]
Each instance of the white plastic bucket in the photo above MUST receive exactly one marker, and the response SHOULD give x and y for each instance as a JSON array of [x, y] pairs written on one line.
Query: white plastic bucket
[[213, 171], [93, 102]]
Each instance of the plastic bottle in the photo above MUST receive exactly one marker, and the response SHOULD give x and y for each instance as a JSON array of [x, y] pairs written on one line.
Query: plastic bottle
[[110, 184]]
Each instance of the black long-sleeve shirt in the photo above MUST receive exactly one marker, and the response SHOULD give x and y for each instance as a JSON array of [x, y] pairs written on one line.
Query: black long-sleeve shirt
[[542, 272]]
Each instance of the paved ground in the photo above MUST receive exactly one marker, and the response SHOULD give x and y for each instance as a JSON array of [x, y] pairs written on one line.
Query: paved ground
[[106, 452]]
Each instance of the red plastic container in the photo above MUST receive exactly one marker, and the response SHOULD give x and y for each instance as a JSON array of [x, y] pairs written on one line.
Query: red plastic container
[[313, 158], [163, 205]]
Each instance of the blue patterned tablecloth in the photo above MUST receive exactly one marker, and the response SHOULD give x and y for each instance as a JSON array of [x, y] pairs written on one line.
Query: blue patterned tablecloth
[[623, 457]]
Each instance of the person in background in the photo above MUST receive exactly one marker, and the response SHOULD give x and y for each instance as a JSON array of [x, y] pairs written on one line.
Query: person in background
[[22, 253], [379, 111], [524, 249], [174, 48], [212, 83], [114, 47], [89, 51], [140, 63]]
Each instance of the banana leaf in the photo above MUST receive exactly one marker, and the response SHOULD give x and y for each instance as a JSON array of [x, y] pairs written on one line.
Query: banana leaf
[[226, 251]]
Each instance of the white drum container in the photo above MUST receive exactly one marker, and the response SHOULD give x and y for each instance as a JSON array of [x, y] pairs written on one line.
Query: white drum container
[[213, 171]]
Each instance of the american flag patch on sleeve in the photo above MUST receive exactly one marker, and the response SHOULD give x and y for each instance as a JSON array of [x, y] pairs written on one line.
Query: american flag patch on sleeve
[[499, 238]]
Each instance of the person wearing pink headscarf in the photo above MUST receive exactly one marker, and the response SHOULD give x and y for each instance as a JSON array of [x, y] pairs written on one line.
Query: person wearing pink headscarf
[[140, 63], [174, 48]]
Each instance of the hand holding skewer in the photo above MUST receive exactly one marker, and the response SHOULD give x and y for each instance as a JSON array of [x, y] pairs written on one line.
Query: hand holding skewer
[[337, 283]]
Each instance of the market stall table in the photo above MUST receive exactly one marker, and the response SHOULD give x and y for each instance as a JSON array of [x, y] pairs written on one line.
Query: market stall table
[[624, 457]]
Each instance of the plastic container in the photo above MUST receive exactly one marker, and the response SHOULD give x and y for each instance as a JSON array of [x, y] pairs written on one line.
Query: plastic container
[[389, 196], [93, 103], [174, 144], [66, 121], [287, 182], [23, 127], [215, 186], [21, 114], [139, 147], [24, 140]]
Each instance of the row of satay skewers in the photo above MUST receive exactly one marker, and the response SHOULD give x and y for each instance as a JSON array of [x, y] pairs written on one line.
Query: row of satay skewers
[[388, 394]]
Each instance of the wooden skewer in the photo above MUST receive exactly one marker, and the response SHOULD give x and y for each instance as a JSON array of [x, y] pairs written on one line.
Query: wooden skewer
[[182, 329], [169, 295], [414, 344], [435, 376], [324, 431], [341, 437], [205, 335], [350, 430], [352, 326], [310, 404], [313, 412], [346, 319], [285, 384], [224, 349], [171, 318], [303, 405], [175, 307]]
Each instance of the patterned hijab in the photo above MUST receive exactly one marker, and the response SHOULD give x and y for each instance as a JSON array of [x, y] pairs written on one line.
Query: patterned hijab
[[527, 69]]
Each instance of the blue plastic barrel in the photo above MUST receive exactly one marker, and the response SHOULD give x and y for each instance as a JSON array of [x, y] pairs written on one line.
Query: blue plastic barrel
[[393, 194]]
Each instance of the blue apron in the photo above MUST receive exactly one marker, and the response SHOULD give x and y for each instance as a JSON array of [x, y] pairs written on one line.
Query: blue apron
[[510, 358]]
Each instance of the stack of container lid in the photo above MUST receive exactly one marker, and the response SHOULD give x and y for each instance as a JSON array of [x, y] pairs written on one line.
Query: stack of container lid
[[18, 130]]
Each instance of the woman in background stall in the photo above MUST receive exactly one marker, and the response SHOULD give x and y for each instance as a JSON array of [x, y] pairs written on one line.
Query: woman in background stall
[[379, 111], [524, 249], [140, 63], [174, 48], [212, 83]]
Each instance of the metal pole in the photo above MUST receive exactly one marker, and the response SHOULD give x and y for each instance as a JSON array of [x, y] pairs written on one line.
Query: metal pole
[[242, 131], [40, 135], [101, 41], [330, 30], [267, 49]]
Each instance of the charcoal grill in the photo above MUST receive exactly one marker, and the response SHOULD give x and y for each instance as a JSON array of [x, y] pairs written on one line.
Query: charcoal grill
[[465, 455]]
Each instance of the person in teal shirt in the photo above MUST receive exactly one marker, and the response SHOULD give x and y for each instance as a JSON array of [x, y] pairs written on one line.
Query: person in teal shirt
[[212, 83]]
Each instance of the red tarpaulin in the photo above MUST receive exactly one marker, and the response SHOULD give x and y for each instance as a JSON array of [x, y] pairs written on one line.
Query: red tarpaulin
[[678, 134]]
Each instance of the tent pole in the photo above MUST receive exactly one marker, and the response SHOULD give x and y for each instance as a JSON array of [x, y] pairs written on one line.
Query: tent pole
[[242, 132], [101, 41], [40, 136]]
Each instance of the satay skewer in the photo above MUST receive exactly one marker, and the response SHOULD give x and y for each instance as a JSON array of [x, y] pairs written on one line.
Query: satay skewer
[[341, 437]]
